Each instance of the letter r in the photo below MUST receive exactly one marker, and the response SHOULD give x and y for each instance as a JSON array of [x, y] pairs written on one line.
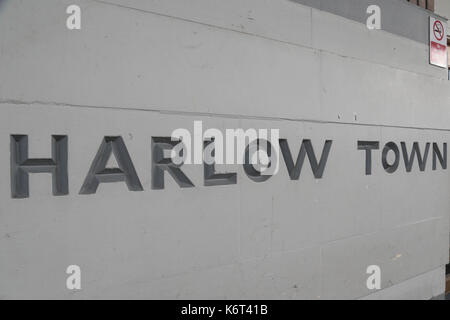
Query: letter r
[[22, 166]]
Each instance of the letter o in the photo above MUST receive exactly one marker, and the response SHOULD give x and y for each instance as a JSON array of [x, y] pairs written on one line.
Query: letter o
[[250, 171], [390, 168]]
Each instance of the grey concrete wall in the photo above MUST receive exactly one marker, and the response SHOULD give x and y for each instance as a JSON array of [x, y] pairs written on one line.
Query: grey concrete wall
[[442, 7], [143, 68], [399, 16]]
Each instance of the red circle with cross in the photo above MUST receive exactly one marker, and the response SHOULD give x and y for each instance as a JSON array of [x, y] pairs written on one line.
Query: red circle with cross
[[438, 30]]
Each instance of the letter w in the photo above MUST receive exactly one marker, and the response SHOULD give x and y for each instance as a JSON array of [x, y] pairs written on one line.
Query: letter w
[[305, 149], [415, 150]]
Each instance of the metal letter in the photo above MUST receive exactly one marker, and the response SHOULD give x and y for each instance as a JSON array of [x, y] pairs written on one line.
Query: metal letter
[[437, 153], [161, 164], [305, 149], [388, 147], [368, 146], [415, 150], [22, 166], [98, 173], [211, 178], [249, 169]]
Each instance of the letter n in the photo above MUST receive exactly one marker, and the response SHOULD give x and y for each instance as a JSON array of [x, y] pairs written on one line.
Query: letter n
[[100, 173], [22, 166]]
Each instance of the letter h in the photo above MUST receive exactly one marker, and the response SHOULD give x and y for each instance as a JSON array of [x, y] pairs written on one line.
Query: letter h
[[22, 166]]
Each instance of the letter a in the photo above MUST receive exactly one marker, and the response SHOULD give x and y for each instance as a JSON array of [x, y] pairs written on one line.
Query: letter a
[[374, 20], [374, 280], [73, 22], [74, 280]]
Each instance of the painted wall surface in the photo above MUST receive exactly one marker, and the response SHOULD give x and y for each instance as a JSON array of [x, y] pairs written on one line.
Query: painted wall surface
[[443, 7], [139, 69]]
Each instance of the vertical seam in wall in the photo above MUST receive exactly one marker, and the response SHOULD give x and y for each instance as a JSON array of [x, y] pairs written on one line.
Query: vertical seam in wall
[[311, 29], [239, 214], [321, 272], [271, 225], [381, 202], [321, 83]]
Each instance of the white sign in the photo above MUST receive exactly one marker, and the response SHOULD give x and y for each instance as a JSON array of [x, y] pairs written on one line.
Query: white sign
[[438, 42]]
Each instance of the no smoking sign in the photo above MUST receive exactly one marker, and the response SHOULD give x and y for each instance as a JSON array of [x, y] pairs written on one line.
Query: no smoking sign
[[438, 43]]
